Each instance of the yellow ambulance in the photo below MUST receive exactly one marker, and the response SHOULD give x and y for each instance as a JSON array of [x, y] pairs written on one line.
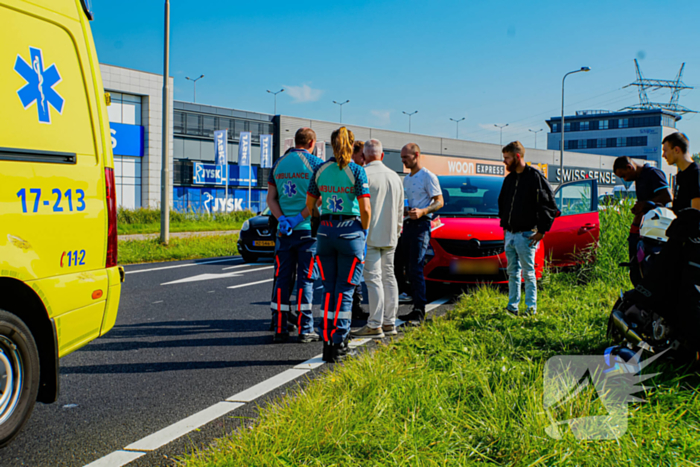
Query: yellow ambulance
[[59, 279]]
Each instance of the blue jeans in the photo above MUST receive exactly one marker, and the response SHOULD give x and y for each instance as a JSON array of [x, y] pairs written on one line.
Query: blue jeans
[[341, 256], [521, 258], [417, 236], [297, 250]]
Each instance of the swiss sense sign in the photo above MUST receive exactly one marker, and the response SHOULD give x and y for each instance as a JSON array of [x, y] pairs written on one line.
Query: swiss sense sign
[[441, 165]]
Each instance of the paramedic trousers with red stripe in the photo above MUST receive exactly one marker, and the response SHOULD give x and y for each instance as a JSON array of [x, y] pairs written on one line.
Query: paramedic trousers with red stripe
[[297, 250], [341, 250]]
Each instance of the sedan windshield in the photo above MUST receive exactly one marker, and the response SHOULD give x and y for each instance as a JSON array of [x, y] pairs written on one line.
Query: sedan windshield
[[475, 196]]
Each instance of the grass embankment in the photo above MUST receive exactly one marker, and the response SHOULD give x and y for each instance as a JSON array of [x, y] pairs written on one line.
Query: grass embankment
[[149, 251], [469, 389], [147, 220]]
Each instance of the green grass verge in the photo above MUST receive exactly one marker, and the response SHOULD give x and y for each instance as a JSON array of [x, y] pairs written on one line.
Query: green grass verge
[[469, 390], [148, 251], [146, 220]]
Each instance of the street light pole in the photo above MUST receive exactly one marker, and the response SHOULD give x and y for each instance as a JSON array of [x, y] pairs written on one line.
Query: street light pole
[[409, 119], [561, 151], [457, 121], [165, 135], [501, 127], [195, 85], [275, 94], [535, 132], [341, 104]]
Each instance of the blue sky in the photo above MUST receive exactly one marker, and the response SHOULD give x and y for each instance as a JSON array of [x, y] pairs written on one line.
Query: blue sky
[[491, 62]]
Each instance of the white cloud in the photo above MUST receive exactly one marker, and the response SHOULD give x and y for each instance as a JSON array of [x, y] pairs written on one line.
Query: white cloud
[[382, 117], [303, 93]]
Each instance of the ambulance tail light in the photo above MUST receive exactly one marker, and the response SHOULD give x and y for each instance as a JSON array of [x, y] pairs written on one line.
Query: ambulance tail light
[[111, 218]]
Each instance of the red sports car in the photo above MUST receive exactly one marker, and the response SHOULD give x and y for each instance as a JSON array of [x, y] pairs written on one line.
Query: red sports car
[[467, 244]]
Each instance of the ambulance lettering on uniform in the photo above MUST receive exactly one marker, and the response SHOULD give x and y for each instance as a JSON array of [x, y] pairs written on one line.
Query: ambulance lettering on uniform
[[335, 204], [286, 176], [290, 189], [336, 189], [40, 83]]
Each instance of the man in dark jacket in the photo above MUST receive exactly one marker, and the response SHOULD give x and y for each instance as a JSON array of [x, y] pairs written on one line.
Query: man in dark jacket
[[527, 209]]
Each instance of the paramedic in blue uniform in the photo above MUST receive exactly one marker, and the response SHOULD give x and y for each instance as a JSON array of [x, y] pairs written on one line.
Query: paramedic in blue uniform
[[295, 247], [343, 189]]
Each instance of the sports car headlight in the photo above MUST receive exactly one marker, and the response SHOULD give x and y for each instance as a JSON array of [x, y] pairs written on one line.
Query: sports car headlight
[[245, 226]]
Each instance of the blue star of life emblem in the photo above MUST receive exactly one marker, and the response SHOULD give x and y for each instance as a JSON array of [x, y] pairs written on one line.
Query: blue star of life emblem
[[290, 189], [40, 83], [335, 204]]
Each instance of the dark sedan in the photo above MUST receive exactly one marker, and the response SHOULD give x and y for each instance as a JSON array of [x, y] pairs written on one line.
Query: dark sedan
[[257, 237]]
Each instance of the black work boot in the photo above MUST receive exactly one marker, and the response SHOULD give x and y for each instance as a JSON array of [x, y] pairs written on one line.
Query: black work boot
[[418, 314], [280, 337], [327, 352]]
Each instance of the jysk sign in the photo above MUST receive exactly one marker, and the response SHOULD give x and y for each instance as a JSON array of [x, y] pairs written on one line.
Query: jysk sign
[[127, 140], [210, 174]]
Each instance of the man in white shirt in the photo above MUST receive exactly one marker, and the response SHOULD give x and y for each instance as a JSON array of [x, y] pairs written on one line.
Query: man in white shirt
[[386, 200], [424, 198]]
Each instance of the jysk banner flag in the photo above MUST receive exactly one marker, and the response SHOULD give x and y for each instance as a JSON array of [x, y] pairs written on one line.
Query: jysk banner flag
[[244, 149], [265, 151], [221, 151]]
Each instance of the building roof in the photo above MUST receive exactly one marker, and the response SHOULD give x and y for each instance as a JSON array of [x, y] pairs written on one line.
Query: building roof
[[604, 115]]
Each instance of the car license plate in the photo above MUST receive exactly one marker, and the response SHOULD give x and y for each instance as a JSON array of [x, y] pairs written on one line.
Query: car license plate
[[263, 243], [470, 266]]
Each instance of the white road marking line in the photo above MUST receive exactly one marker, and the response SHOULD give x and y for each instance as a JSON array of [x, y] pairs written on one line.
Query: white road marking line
[[311, 363], [239, 266], [266, 386], [183, 265], [176, 430], [251, 283], [181, 428], [116, 459], [357, 342], [208, 276], [159, 301], [437, 303]]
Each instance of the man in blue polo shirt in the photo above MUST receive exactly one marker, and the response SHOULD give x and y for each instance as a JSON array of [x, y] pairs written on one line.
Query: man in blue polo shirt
[[295, 247]]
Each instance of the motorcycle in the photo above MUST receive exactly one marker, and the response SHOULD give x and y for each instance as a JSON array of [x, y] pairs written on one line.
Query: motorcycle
[[662, 313]]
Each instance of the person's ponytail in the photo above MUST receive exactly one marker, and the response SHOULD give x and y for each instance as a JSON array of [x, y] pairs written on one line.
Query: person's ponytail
[[342, 141]]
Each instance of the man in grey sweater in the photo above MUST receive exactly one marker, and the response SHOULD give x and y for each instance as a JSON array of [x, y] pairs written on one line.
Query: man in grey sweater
[[386, 200]]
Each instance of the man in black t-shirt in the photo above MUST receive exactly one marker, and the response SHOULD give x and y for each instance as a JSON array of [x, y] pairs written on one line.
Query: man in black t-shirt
[[686, 193], [651, 188]]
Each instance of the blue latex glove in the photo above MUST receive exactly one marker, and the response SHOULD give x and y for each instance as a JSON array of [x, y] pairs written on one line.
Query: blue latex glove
[[283, 225], [366, 232], [296, 220]]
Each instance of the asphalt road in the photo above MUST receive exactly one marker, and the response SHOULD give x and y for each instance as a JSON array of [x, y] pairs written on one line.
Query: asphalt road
[[183, 341]]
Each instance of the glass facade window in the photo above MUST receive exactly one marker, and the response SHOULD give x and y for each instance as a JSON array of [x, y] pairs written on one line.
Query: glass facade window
[[567, 126], [602, 124], [208, 126], [624, 123], [585, 126], [127, 179], [592, 143], [125, 108], [555, 128]]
